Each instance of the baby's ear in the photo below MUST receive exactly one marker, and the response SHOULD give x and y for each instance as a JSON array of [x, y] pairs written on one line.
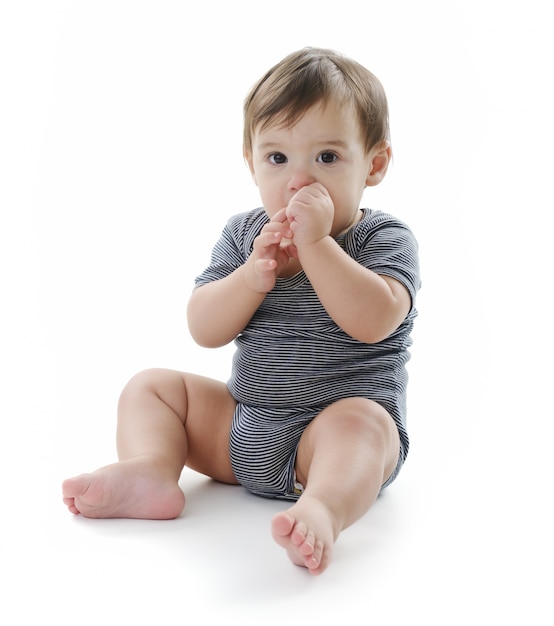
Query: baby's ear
[[381, 156]]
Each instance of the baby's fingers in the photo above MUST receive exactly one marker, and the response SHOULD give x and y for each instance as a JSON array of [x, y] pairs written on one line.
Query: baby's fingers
[[265, 265], [280, 216], [266, 242]]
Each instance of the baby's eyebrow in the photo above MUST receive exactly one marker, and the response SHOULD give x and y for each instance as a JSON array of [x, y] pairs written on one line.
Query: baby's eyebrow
[[267, 145], [327, 143], [333, 143]]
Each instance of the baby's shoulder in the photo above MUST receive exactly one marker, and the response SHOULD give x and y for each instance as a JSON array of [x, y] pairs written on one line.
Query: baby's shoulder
[[245, 227], [247, 221], [379, 224], [373, 219]]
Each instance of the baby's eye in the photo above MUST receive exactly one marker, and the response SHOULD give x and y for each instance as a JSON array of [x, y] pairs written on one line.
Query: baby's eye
[[277, 158], [327, 157]]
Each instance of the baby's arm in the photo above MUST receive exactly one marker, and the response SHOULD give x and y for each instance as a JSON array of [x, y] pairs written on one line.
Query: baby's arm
[[366, 305], [219, 311]]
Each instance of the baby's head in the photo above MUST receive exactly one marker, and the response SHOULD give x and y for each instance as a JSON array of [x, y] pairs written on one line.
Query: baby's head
[[313, 76]]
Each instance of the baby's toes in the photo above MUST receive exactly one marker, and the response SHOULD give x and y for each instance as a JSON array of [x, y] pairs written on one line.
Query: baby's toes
[[313, 561], [307, 547], [299, 534]]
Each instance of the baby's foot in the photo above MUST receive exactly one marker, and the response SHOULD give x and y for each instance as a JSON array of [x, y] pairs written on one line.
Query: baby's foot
[[306, 532], [134, 488]]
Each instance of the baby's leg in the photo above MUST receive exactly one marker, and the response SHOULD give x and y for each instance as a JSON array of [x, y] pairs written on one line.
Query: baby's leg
[[165, 419], [344, 456]]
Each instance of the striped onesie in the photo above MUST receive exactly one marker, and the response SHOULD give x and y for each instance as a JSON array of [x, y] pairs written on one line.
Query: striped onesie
[[292, 360]]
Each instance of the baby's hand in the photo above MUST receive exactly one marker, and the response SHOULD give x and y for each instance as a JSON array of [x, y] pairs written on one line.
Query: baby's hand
[[272, 250], [310, 213]]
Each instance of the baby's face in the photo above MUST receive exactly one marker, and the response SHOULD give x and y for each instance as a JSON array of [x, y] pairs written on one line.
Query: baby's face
[[325, 145]]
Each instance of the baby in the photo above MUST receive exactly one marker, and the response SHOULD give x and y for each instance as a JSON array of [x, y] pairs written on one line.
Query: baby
[[318, 295]]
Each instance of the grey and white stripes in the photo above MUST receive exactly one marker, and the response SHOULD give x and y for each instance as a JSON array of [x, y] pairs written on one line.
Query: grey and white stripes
[[292, 354]]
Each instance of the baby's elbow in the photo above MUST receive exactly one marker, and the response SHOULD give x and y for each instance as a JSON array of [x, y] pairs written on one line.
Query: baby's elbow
[[204, 341], [373, 335], [196, 334], [201, 333], [378, 330], [390, 316], [206, 331], [197, 328]]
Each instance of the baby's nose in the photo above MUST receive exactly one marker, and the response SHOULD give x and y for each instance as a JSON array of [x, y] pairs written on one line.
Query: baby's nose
[[300, 178]]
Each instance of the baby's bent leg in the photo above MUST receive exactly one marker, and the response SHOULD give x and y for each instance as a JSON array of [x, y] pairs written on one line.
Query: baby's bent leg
[[165, 418], [344, 456]]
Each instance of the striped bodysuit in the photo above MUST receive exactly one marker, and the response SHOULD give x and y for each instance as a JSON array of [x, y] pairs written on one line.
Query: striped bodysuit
[[292, 360]]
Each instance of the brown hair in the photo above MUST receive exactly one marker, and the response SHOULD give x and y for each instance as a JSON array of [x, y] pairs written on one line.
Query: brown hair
[[308, 77]]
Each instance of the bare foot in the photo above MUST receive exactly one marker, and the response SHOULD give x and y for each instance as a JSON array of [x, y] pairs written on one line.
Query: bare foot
[[134, 488], [306, 531]]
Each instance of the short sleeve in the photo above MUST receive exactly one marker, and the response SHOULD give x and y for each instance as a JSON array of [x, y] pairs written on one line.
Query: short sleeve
[[388, 247], [234, 246]]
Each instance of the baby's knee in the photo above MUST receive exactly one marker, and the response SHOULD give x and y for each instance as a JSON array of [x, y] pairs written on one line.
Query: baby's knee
[[376, 425], [359, 413], [152, 381], [364, 419]]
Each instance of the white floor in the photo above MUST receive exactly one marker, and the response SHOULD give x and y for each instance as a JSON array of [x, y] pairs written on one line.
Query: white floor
[[120, 161], [468, 544]]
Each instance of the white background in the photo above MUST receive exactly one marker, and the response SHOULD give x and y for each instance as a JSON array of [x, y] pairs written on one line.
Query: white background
[[120, 161]]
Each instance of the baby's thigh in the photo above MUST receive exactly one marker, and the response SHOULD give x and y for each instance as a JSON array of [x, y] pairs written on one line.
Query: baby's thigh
[[210, 409]]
